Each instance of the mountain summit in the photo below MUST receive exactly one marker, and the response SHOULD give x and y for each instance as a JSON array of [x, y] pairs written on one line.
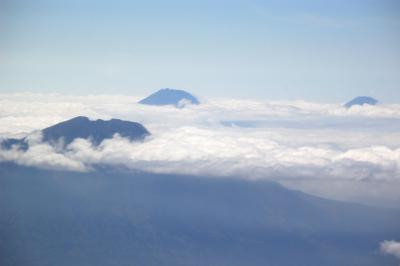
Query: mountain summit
[[97, 130], [362, 100], [178, 98], [82, 127]]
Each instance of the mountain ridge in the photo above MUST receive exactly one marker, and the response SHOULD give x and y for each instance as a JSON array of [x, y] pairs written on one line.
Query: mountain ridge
[[82, 127], [108, 217]]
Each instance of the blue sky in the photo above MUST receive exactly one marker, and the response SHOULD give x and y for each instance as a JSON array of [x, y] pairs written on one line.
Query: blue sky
[[312, 50]]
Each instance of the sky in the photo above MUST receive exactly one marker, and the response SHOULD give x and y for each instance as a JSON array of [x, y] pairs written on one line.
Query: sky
[[315, 50]]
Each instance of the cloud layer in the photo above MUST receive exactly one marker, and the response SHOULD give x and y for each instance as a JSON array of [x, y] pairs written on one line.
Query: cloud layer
[[219, 152], [286, 141]]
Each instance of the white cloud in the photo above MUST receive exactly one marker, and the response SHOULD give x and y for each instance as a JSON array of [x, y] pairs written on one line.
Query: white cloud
[[287, 141], [23, 112], [41, 155], [226, 151], [390, 248]]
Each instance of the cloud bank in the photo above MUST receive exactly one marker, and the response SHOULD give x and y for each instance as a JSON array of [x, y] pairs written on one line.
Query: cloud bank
[[322, 148], [219, 152]]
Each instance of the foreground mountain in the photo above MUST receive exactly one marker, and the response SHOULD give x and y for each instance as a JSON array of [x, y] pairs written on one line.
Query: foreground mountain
[[83, 127], [109, 217], [362, 100], [178, 98]]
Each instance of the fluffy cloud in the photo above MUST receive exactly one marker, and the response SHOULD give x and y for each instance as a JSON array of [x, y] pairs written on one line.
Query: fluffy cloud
[[390, 248], [297, 143], [220, 152], [368, 175], [42, 155]]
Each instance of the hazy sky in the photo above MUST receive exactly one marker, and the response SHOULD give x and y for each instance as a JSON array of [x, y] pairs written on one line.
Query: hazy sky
[[313, 50]]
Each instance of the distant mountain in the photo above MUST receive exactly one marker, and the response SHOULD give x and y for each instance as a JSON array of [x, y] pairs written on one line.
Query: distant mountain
[[82, 127], [110, 217], [361, 101], [178, 98]]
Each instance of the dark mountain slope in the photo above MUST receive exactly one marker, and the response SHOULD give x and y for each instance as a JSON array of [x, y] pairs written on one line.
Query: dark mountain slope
[[110, 217]]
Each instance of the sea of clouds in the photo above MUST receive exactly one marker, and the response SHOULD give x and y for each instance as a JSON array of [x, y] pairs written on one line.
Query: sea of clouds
[[324, 149]]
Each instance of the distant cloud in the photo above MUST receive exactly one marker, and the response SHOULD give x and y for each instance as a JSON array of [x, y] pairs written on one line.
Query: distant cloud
[[24, 112], [390, 248]]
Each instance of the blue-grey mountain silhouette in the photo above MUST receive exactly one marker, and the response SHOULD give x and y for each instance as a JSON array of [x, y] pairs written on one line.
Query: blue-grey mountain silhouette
[[83, 127], [21, 144], [361, 101], [170, 97], [116, 217]]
